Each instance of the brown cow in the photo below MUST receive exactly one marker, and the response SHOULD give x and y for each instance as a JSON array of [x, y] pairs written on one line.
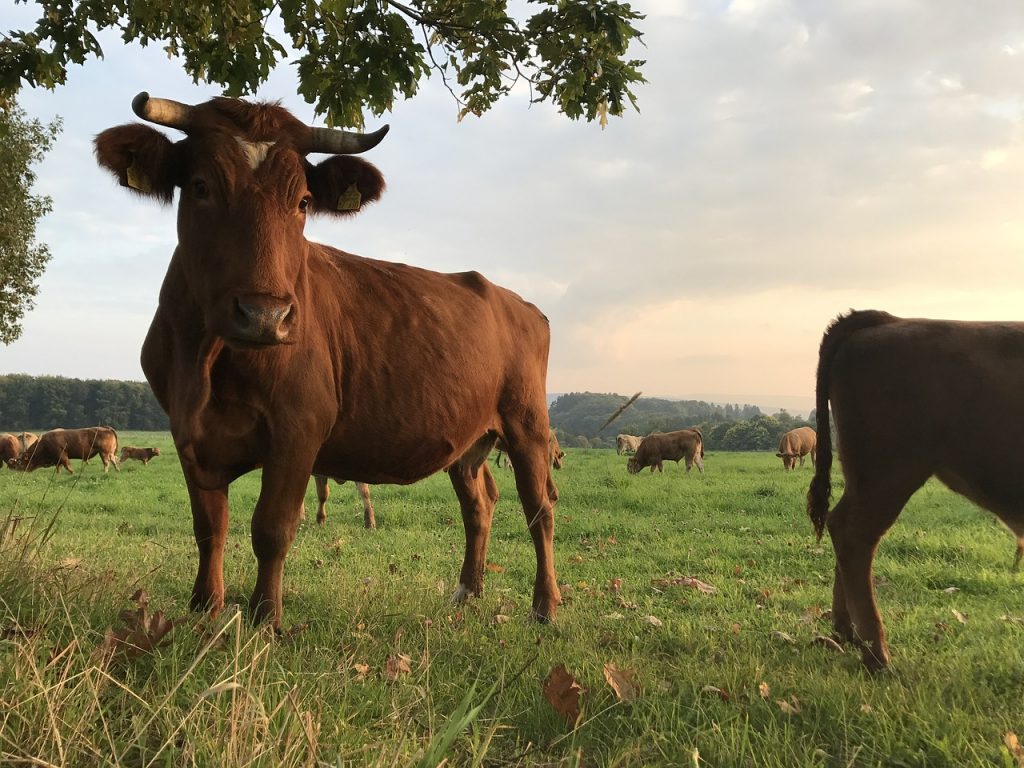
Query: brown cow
[[323, 492], [142, 454], [555, 453], [269, 350], [10, 449], [56, 447], [946, 396], [796, 444], [627, 443], [657, 447]]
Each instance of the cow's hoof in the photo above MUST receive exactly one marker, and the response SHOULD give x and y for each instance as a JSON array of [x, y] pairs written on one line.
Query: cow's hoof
[[875, 660], [461, 594]]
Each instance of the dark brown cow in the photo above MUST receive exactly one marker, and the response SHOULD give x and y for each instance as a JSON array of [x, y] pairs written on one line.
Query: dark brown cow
[[10, 449], [687, 444], [946, 396], [56, 447], [323, 492], [796, 444], [269, 350], [627, 443], [142, 454]]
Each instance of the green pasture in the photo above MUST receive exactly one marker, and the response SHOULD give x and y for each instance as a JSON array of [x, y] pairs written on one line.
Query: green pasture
[[377, 668]]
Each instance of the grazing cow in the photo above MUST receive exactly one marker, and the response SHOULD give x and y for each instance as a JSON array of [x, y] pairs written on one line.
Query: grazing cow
[[657, 447], [323, 492], [555, 453], [142, 454], [56, 447], [10, 449], [27, 440], [268, 350], [627, 443], [910, 399], [796, 444]]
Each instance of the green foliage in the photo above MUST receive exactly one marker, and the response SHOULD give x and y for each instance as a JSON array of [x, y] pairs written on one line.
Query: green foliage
[[23, 143], [356, 54], [45, 402]]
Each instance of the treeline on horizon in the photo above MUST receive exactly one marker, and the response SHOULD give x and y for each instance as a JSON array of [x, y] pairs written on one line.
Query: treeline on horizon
[[577, 418], [45, 402]]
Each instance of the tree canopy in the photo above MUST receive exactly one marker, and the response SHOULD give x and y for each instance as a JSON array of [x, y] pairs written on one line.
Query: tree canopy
[[356, 54], [23, 142]]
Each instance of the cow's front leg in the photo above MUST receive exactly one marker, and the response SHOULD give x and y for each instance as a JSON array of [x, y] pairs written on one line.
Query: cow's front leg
[[273, 528], [210, 525]]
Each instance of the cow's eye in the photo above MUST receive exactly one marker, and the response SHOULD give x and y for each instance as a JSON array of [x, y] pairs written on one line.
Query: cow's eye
[[304, 203], [199, 188]]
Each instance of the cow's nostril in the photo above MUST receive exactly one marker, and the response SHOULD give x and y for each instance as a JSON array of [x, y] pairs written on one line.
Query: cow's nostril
[[263, 322]]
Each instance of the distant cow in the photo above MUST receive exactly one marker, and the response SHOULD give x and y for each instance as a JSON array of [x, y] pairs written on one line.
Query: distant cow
[[10, 449], [323, 492], [27, 440], [556, 455], [911, 398], [796, 444], [56, 447], [142, 454], [686, 444], [627, 443], [269, 350]]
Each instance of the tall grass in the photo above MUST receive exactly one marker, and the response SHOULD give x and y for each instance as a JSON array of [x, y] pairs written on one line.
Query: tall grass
[[377, 667]]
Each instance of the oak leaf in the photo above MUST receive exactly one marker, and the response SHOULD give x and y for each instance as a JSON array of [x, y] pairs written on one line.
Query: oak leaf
[[563, 693], [623, 682]]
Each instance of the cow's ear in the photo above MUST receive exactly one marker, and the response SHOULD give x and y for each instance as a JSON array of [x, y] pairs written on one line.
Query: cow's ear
[[343, 184], [140, 157]]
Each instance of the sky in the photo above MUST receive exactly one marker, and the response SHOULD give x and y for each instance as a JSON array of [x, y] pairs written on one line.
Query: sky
[[790, 161]]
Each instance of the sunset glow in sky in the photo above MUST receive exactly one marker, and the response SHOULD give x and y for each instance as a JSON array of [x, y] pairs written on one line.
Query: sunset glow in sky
[[791, 160]]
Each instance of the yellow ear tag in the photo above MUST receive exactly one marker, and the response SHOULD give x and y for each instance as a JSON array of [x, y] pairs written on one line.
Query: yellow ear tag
[[137, 180], [350, 199]]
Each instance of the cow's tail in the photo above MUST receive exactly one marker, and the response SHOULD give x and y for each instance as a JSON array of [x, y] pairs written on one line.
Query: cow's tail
[[841, 329], [700, 440]]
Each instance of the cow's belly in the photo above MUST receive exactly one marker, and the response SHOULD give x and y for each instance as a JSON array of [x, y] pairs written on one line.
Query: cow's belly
[[397, 462]]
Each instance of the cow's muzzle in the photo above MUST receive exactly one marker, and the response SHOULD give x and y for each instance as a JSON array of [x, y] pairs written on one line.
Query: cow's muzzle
[[262, 320]]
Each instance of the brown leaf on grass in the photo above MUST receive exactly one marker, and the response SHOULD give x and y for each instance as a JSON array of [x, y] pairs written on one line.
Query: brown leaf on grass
[[764, 689], [494, 568], [623, 682], [362, 670], [811, 615], [783, 636], [1011, 619], [654, 621], [714, 690], [501, 618], [140, 598], [791, 707], [827, 642], [951, 590], [563, 693], [685, 581], [959, 616], [141, 634], [1012, 744], [296, 629], [615, 585], [396, 666], [70, 562]]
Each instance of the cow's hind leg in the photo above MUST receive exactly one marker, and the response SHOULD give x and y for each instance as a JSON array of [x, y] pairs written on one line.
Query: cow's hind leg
[[478, 494], [323, 492], [856, 526], [533, 477], [369, 518], [210, 526]]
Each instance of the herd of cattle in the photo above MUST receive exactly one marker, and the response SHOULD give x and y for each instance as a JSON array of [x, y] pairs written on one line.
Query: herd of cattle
[[26, 451], [268, 350]]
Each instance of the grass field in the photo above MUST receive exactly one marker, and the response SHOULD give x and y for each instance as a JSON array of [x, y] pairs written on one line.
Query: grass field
[[377, 667]]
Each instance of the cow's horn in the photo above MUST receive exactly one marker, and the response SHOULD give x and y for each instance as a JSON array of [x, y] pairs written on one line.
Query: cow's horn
[[172, 114], [335, 141]]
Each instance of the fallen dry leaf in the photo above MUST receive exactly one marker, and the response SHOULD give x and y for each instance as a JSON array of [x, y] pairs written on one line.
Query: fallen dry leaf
[[362, 670], [685, 581], [1012, 744], [140, 598], [501, 618], [764, 689], [951, 590], [791, 707], [615, 585], [623, 682], [784, 637], [827, 642], [396, 666], [563, 693], [494, 568], [716, 691], [141, 633], [654, 621], [866, 708], [1012, 619], [959, 616]]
